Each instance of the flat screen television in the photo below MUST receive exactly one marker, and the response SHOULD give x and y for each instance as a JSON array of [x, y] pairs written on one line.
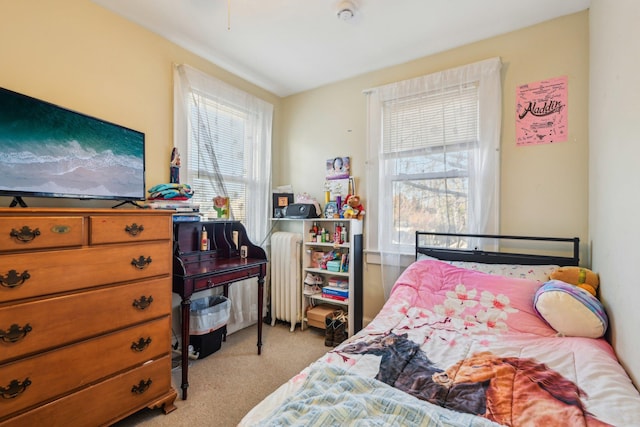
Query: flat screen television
[[50, 151]]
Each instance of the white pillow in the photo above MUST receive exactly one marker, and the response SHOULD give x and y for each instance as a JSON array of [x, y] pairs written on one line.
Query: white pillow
[[570, 310], [539, 273]]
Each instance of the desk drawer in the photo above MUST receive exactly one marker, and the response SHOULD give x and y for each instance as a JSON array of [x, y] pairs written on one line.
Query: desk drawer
[[70, 368], [114, 396], [29, 275], [122, 229], [44, 324], [29, 233], [219, 279]]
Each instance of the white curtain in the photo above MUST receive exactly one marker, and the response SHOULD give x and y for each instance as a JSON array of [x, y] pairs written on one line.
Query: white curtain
[[252, 209], [483, 169]]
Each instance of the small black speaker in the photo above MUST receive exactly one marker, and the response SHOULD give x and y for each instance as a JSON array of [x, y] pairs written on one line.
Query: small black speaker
[[300, 211]]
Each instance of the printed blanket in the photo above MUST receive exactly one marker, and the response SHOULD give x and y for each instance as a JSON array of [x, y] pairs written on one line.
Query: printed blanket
[[331, 396], [470, 342]]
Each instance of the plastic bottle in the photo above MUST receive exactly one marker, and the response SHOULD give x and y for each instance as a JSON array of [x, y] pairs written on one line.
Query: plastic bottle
[[312, 235], [337, 235], [204, 240]]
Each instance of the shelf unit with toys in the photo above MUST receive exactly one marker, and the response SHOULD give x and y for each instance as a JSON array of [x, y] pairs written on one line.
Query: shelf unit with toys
[[335, 258]]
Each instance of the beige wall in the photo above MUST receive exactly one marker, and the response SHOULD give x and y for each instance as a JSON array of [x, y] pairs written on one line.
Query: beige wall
[[78, 55], [543, 188], [614, 172]]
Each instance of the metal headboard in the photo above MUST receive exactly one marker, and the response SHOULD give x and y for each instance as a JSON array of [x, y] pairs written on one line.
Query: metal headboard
[[495, 257]]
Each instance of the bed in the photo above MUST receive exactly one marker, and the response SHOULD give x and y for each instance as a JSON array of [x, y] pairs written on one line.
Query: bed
[[461, 342]]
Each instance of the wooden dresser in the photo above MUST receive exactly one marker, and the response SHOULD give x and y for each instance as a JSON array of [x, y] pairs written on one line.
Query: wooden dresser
[[85, 315]]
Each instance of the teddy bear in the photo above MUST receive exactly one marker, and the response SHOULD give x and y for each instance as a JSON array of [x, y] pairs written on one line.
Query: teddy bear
[[353, 207], [577, 276]]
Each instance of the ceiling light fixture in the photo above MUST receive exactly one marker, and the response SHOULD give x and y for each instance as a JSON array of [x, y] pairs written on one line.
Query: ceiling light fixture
[[346, 10]]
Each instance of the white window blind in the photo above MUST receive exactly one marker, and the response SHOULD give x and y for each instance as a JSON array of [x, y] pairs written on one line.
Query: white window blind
[[217, 163], [445, 117], [427, 141]]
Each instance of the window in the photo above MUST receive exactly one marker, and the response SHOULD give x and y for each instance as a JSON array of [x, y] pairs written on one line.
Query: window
[[217, 162], [432, 159], [428, 142], [223, 135]]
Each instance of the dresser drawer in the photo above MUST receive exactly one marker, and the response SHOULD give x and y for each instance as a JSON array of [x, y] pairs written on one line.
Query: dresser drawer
[[78, 409], [29, 233], [45, 273], [119, 228], [48, 323], [52, 374]]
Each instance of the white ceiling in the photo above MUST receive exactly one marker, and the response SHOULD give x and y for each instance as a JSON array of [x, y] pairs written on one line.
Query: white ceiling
[[289, 46]]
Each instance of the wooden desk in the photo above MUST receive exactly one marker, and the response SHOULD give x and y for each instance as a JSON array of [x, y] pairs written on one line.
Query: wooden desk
[[195, 270]]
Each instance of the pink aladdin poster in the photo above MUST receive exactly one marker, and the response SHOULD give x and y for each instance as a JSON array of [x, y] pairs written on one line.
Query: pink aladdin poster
[[541, 112]]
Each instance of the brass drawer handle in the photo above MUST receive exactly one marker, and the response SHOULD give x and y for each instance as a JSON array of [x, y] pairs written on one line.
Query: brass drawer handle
[[141, 344], [141, 387], [134, 229], [141, 262], [13, 279], [15, 333], [25, 234], [143, 303], [14, 388]]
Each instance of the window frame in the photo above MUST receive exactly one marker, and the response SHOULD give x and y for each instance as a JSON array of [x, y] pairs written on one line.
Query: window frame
[[486, 74]]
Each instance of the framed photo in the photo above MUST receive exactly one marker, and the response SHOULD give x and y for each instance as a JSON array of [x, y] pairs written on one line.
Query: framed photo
[[338, 168], [280, 201], [331, 210]]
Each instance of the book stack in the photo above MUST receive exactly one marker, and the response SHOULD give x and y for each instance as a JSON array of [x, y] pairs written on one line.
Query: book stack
[[338, 282], [187, 217], [335, 293], [181, 206], [185, 210]]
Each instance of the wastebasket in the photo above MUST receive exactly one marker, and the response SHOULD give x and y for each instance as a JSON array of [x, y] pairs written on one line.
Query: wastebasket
[[208, 324]]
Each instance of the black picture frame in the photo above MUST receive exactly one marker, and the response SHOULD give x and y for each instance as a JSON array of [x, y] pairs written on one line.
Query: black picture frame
[[280, 201]]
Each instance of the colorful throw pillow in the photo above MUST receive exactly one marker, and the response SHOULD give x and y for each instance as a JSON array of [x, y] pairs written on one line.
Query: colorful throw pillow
[[570, 310]]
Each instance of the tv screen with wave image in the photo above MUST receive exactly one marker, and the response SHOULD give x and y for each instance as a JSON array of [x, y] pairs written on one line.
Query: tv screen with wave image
[[50, 151]]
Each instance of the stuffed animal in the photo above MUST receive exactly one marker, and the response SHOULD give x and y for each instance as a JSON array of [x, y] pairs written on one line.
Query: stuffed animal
[[577, 276], [354, 208]]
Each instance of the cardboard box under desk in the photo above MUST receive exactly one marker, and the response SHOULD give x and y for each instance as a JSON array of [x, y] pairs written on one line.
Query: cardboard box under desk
[[316, 316]]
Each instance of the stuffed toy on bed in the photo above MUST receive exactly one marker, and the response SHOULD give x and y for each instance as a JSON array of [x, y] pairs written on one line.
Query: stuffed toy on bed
[[577, 276]]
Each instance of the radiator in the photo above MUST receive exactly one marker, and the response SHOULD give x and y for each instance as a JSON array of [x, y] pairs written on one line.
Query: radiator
[[286, 278]]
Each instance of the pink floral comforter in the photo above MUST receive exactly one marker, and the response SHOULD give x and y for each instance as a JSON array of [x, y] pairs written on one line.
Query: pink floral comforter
[[472, 343]]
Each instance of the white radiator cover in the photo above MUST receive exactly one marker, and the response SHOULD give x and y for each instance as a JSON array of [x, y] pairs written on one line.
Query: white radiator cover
[[286, 278]]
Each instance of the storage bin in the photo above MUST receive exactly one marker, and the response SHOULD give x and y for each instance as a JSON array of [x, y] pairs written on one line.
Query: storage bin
[[333, 266], [209, 343], [208, 314], [316, 316]]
